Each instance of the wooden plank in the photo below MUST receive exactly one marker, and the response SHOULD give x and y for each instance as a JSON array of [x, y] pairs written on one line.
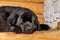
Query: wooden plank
[[25, 0], [37, 35], [36, 7], [40, 18], [58, 25]]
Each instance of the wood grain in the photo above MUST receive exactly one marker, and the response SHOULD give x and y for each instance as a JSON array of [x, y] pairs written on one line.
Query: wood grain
[[58, 25], [36, 7], [40, 18], [37, 1], [38, 35]]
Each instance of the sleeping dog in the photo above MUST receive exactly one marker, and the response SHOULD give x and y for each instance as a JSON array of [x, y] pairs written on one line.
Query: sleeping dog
[[21, 19], [22, 16]]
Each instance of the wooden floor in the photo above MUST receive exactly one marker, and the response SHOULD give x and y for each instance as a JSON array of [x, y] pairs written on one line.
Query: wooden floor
[[38, 35]]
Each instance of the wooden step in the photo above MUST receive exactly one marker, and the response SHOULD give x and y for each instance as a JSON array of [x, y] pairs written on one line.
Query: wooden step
[[34, 1], [58, 25], [36, 7], [40, 18]]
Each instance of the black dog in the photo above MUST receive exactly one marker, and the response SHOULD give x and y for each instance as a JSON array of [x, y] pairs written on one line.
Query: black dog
[[18, 15], [21, 19]]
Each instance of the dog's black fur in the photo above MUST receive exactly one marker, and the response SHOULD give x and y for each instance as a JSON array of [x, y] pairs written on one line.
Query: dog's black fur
[[28, 27], [44, 27], [21, 19], [23, 15], [4, 26]]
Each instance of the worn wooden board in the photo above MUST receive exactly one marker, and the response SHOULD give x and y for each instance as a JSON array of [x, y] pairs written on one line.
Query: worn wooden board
[[40, 18], [36, 7], [58, 25], [36, 1], [38, 35]]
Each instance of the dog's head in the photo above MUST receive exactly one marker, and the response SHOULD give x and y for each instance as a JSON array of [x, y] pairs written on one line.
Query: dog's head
[[28, 27]]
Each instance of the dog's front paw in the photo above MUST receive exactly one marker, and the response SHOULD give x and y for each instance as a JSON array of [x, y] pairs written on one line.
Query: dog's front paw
[[16, 30]]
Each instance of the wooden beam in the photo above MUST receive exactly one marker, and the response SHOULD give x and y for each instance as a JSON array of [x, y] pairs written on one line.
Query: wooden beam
[[37, 1], [40, 18], [36, 7]]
